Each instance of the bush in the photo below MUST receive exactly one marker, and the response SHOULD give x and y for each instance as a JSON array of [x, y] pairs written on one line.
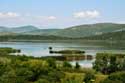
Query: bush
[[42, 81], [67, 65], [118, 77], [51, 62], [89, 77]]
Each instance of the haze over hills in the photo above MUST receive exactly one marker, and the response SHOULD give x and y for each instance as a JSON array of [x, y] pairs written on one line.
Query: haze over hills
[[29, 30], [73, 32], [18, 29]]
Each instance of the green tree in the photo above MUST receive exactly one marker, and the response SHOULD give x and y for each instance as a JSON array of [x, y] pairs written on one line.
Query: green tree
[[77, 65], [113, 64], [67, 64]]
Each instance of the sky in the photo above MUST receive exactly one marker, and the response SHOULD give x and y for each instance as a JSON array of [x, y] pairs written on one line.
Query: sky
[[60, 13]]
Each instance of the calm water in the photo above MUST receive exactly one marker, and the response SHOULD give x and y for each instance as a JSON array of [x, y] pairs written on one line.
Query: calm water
[[41, 49]]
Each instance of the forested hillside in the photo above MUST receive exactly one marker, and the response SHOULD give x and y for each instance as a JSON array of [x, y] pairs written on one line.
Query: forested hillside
[[120, 35]]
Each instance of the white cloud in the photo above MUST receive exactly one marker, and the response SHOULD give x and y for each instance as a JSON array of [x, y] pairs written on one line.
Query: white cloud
[[9, 15], [51, 18], [26, 17], [87, 14], [15, 18], [42, 18]]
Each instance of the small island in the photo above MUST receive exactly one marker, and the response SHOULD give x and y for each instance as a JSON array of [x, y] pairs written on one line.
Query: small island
[[70, 55]]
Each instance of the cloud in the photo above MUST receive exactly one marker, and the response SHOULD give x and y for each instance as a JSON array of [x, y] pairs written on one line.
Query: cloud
[[51, 18], [40, 17], [25, 17], [87, 14], [9, 15]]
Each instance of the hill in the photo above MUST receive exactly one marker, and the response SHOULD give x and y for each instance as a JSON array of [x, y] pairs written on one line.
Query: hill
[[90, 30], [17, 29], [42, 32], [71, 32], [24, 29], [120, 35]]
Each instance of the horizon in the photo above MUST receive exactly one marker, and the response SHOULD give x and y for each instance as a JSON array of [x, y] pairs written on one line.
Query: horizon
[[59, 28], [60, 14]]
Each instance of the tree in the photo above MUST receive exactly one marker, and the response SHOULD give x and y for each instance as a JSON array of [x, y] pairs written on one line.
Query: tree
[[113, 64], [50, 50], [77, 65], [101, 63], [108, 63], [67, 65]]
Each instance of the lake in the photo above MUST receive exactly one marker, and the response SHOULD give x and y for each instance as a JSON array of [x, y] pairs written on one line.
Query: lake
[[40, 49]]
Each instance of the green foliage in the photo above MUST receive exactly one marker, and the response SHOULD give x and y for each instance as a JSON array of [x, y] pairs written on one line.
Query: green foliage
[[4, 65], [23, 58], [100, 77], [91, 30], [89, 77], [108, 63], [42, 81], [99, 31], [117, 36], [73, 78], [6, 51], [112, 81], [51, 62], [77, 65], [55, 76], [118, 77], [29, 37], [66, 65], [24, 69]]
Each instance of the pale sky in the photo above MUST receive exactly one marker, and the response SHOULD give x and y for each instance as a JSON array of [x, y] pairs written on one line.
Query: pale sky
[[60, 13]]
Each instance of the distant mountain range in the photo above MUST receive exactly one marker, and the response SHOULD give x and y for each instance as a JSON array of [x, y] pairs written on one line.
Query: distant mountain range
[[18, 29], [42, 32], [81, 31], [90, 30]]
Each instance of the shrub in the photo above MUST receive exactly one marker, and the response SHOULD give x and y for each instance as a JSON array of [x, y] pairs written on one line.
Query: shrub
[[118, 77], [89, 77]]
